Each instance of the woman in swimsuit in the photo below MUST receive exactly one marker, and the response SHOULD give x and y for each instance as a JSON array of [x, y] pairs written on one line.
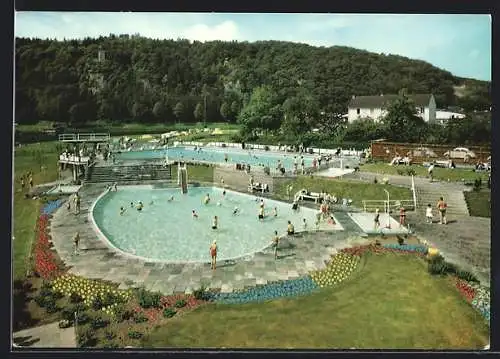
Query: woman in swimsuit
[[261, 213], [213, 254], [275, 243], [376, 220]]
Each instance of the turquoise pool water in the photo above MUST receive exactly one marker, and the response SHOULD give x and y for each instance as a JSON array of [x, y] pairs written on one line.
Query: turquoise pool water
[[166, 231], [214, 155]]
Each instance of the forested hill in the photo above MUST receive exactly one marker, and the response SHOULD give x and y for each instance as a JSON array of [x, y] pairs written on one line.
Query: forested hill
[[130, 78]]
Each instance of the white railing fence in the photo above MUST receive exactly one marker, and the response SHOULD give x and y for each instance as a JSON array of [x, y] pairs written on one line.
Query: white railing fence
[[388, 206], [84, 137], [414, 191]]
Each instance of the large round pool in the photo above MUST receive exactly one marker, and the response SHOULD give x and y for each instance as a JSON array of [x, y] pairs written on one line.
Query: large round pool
[[166, 231]]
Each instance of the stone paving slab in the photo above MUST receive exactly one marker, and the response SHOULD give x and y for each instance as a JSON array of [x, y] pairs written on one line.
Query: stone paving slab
[[46, 336], [297, 256]]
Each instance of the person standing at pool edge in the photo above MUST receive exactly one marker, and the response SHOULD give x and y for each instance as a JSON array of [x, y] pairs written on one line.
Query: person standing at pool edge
[[275, 244], [290, 230], [213, 254], [376, 220]]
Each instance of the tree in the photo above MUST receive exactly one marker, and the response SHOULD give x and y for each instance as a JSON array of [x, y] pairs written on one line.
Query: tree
[[301, 114], [158, 109], [225, 111], [198, 112], [401, 122], [235, 108], [179, 111]]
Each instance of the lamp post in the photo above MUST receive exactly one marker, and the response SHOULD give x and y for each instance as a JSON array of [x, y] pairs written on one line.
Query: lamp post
[[388, 209]]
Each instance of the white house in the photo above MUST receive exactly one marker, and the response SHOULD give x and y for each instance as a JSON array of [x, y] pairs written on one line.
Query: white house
[[374, 107], [442, 116]]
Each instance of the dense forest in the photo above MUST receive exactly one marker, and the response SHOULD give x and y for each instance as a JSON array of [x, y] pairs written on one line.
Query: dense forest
[[135, 79]]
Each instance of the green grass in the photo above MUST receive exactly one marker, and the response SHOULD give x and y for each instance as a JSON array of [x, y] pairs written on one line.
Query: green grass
[[196, 173], [479, 203], [441, 174], [30, 157], [343, 189], [392, 303]]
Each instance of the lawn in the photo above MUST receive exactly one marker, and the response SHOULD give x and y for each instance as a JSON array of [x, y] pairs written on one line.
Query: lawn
[[479, 203], [196, 173], [391, 303], [441, 174], [356, 191], [29, 157]]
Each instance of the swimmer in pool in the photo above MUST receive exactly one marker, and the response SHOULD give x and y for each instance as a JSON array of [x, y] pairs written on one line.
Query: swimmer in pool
[[304, 224], [140, 206], [261, 213], [207, 199], [235, 211], [219, 204], [223, 193], [131, 204], [215, 223], [122, 211], [194, 214], [262, 203], [275, 212], [171, 198], [150, 203]]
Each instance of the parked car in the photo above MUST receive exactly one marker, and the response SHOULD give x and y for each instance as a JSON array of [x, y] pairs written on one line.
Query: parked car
[[421, 152], [461, 153]]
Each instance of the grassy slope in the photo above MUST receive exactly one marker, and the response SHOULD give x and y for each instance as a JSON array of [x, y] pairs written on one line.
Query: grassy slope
[[392, 303], [442, 174], [479, 203], [26, 211], [344, 189]]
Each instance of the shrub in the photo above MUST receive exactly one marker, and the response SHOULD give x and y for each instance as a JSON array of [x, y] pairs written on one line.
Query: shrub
[[134, 334], [109, 335], [86, 338], [46, 290], [82, 318], [438, 266], [97, 303], [111, 345], [51, 305], [411, 172], [169, 312], [140, 318], [477, 184], [400, 172], [122, 314], [41, 301], [200, 293], [75, 298], [467, 276], [401, 240], [180, 303], [148, 299], [98, 322], [266, 148], [68, 314]]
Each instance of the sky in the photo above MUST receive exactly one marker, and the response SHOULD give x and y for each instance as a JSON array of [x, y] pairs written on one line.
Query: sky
[[460, 44]]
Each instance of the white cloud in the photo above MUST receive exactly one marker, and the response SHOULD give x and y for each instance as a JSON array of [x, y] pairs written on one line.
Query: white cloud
[[225, 31]]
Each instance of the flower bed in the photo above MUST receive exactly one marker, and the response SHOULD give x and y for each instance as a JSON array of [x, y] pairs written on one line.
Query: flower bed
[[339, 269], [178, 303], [287, 288], [477, 295], [388, 248], [46, 265]]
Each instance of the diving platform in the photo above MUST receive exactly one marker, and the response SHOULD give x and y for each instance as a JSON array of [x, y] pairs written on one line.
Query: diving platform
[[84, 137]]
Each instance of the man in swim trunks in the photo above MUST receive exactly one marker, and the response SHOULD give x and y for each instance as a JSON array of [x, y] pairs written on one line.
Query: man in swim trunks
[[207, 199], [213, 254], [215, 223], [442, 206], [290, 230]]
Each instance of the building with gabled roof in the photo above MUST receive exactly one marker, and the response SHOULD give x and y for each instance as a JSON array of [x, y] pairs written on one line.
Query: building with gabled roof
[[374, 107]]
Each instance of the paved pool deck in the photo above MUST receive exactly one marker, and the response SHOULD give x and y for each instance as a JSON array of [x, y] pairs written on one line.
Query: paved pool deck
[[297, 256]]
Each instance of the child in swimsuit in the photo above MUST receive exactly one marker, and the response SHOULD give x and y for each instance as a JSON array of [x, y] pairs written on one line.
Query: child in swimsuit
[[261, 213], [402, 217], [376, 220], [140, 206]]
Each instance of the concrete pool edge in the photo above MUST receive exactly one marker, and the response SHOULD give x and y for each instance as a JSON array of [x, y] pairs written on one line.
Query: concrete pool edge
[[243, 257]]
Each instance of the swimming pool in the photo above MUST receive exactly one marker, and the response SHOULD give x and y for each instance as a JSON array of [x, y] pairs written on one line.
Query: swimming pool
[[215, 155], [167, 232]]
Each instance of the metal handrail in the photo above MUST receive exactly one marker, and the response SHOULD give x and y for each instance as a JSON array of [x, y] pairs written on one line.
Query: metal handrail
[[413, 189], [84, 136]]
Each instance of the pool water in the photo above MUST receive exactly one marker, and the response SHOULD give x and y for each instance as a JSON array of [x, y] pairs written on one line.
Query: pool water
[[212, 155], [167, 232]]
